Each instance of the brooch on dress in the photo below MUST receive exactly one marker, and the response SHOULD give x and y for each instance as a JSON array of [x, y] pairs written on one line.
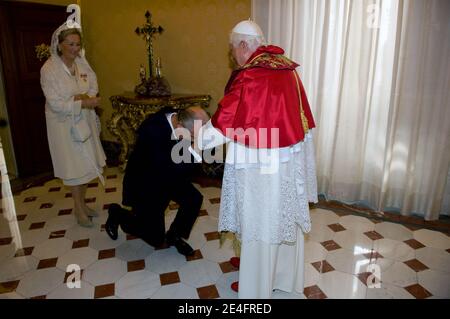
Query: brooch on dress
[[83, 76]]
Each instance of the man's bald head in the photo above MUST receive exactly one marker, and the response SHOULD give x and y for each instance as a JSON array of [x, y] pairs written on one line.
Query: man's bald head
[[188, 116]]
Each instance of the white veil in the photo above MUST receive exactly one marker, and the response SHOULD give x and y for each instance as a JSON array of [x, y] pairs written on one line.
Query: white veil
[[55, 41]]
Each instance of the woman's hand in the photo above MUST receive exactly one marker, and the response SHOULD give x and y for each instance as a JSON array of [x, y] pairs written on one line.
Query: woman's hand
[[91, 102], [79, 97]]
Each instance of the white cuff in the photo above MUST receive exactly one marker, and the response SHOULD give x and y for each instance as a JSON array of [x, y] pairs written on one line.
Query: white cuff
[[210, 137]]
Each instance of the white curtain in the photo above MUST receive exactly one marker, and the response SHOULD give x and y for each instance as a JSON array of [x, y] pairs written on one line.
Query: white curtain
[[377, 74]]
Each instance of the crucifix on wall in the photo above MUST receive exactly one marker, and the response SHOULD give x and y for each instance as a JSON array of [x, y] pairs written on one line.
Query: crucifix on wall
[[147, 31], [155, 85]]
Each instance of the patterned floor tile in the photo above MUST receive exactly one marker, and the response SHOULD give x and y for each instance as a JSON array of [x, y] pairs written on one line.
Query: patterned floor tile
[[140, 284], [414, 244], [63, 212], [57, 234], [214, 200], [197, 255], [169, 278], [40, 282], [339, 285], [336, 227], [348, 261], [37, 225], [436, 259], [8, 286], [208, 292], [103, 291], [394, 249], [203, 212], [432, 239], [45, 250], [176, 291], [373, 255], [416, 265], [314, 292], [322, 266], [373, 235], [330, 245], [24, 252], [436, 282], [398, 274], [96, 275], [30, 199], [418, 291], [393, 231], [107, 253], [136, 265], [80, 243], [323, 217], [387, 291], [47, 263], [354, 241], [212, 236], [200, 273], [83, 291], [357, 223], [52, 248], [227, 267]]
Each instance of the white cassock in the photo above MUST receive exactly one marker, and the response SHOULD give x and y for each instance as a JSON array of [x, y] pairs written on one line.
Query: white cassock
[[264, 201], [74, 162]]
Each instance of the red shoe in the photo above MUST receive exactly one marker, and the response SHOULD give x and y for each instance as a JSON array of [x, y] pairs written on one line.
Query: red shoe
[[235, 262], [235, 286]]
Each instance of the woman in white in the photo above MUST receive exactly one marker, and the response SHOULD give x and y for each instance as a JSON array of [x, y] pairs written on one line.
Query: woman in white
[[70, 88]]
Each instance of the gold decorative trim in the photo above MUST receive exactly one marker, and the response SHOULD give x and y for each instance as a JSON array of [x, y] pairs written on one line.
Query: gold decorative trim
[[273, 61], [130, 111], [302, 113]]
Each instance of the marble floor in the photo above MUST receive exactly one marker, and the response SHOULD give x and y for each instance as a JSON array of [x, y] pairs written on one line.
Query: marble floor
[[43, 252]]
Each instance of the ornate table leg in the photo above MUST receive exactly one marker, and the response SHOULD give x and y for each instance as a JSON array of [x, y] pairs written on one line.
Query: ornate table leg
[[115, 127]]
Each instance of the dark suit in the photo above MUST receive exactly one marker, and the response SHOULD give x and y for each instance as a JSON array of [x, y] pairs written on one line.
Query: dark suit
[[152, 180]]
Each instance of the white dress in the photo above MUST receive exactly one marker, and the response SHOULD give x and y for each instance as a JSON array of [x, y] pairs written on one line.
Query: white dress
[[264, 201], [75, 163]]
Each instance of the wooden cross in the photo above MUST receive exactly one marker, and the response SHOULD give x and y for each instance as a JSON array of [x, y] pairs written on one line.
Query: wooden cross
[[148, 30]]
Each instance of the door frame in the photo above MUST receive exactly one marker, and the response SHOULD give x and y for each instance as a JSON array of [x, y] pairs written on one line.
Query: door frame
[[12, 98]]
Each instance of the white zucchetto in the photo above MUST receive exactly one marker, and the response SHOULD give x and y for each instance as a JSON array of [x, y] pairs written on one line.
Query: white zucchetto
[[248, 27]]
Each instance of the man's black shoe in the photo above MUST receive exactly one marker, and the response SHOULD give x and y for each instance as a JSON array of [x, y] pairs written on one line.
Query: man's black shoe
[[112, 224], [183, 247]]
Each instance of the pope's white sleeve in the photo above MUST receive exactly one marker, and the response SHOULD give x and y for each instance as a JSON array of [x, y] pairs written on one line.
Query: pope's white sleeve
[[210, 137]]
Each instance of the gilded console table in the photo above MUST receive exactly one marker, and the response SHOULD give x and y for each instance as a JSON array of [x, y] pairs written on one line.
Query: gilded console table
[[131, 110]]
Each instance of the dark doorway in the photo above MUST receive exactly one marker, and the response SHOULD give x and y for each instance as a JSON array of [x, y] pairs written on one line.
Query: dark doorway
[[22, 27]]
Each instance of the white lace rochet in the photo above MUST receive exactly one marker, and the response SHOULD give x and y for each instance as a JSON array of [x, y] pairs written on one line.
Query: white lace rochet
[[261, 206]]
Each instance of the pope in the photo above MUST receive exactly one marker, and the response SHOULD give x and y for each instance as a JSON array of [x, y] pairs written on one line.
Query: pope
[[269, 175]]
